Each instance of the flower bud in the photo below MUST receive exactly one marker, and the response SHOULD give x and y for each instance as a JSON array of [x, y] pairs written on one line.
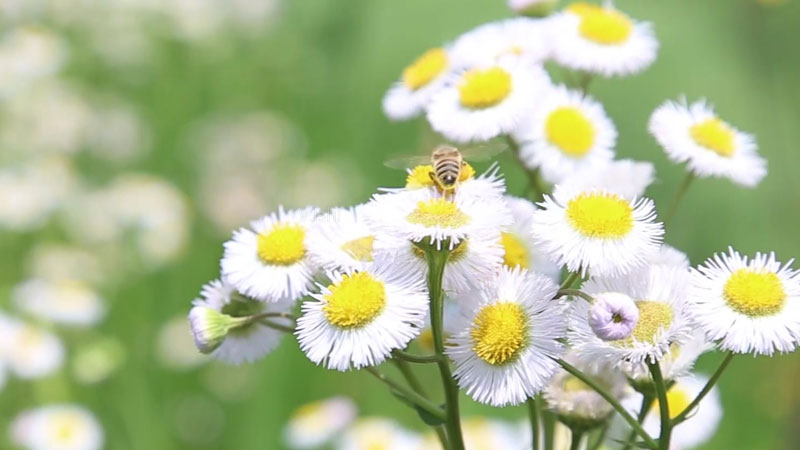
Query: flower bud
[[533, 8], [210, 327], [613, 316]]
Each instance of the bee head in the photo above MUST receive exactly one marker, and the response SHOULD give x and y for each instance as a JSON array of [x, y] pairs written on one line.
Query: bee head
[[448, 180]]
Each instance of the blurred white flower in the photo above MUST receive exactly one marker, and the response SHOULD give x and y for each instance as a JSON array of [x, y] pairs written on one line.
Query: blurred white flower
[[29, 351], [51, 117], [57, 427], [29, 193], [139, 208], [118, 133], [372, 432], [54, 261], [97, 360], [70, 302], [314, 424]]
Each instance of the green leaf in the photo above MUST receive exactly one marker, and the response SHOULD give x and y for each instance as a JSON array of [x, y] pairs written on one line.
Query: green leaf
[[426, 417]]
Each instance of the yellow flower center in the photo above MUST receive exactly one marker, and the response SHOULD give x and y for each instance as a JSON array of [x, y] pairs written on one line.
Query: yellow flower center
[[499, 332], [438, 212], [570, 130], [572, 384], [653, 318], [605, 26], [754, 294], [481, 88], [312, 416], [284, 245], [355, 301], [64, 427], [600, 215], [714, 135], [425, 68], [516, 253], [420, 176], [425, 339], [677, 399], [456, 254], [360, 249]]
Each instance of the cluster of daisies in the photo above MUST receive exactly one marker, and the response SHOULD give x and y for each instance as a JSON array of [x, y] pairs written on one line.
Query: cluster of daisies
[[574, 304]]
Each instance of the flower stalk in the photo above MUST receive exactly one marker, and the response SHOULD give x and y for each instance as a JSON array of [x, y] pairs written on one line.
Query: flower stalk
[[663, 405], [612, 401], [437, 259]]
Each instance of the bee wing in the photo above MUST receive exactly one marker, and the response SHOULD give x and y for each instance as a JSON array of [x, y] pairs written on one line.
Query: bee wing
[[407, 161], [484, 151]]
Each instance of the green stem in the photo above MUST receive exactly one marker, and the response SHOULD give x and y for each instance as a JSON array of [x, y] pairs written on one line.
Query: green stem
[[681, 192], [535, 182], [706, 389], [570, 280], [585, 81], [577, 435], [549, 420], [413, 381], [575, 293], [277, 326], [647, 402], [663, 405], [611, 400], [418, 359], [437, 259], [533, 415], [600, 437], [411, 396]]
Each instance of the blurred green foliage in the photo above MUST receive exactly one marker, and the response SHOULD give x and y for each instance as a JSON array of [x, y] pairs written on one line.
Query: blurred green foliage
[[326, 66]]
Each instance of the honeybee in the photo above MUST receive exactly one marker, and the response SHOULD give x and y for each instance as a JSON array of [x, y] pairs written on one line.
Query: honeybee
[[448, 162]]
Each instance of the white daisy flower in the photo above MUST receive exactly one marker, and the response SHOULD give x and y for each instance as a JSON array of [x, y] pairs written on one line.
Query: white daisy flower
[[701, 424], [482, 433], [519, 248], [520, 38], [342, 240], [626, 178], [65, 301], [29, 351], [269, 261], [419, 82], [710, 146], [362, 316], [598, 232], [315, 424], [574, 402], [670, 257], [566, 132], [506, 354], [473, 260], [369, 433], [659, 295], [424, 215], [677, 362], [489, 184], [454, 319], [57, 427], [232, 341], [486, 101], [747, 305], [602, 40]]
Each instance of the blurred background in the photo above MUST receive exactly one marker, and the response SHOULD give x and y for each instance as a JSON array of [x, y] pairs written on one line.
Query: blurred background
[[136, 134]]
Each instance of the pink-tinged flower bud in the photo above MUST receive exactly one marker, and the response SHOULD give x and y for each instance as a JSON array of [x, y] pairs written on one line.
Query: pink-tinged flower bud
[[613, 316]]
